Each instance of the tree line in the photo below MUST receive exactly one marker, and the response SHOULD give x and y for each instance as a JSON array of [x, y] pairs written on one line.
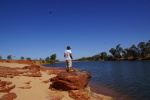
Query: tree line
[[49, 59], [139, 52]]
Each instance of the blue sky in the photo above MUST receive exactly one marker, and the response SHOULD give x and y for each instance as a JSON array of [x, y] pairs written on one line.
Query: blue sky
[[40, 28]]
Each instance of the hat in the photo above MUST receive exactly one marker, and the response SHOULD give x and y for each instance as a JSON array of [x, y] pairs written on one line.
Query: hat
[[68, 47]]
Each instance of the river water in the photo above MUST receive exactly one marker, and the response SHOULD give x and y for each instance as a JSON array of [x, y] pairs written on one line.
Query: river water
[[124, 80]]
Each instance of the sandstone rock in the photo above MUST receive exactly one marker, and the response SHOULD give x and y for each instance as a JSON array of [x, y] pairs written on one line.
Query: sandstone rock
[[56, 71], [4, 83], [25, 87], [32, 67], [5, 86], [9, 96], [79, 95], [76, 83], [10, 72], [46, 81], [71, 81], [52, 70], [30, 62], [27, 82], [33, 75], [74, 70], [55, 96], [7, 89]]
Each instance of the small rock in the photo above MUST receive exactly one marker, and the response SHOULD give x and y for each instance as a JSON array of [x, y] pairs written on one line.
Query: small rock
[[46, 81], [79, 95], [9, 96], [25, 87]]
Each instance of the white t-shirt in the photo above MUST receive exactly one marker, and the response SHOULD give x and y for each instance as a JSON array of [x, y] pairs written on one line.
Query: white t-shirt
[[67, 54]]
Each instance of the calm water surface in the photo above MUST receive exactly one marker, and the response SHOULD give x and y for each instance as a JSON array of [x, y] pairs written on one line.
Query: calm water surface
[[126, 80]]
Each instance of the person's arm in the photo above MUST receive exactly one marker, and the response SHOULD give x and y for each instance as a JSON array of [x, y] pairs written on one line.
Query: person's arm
[[71, 55]]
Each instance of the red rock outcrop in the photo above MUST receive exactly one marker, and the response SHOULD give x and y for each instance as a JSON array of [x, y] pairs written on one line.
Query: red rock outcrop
[[33, 74], [52, 70], [74, 82], [71, 81], [5, 86], [30, 62], [34, 71], [11, 72], [32, 67]]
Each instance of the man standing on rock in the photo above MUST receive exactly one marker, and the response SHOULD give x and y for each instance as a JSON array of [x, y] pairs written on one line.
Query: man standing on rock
[[68, 57]]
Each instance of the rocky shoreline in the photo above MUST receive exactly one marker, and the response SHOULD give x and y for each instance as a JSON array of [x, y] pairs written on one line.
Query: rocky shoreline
[[35, 82]]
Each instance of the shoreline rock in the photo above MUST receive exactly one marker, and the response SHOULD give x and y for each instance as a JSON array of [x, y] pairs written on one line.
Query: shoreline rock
[[71, 81], [76, 83]]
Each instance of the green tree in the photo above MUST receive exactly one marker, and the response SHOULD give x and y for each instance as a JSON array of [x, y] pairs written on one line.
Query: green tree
[[134, 51], [22, 58], [53, 58], [42, 61], [103, 55], [28, 58], [90, 58], [9, 57], [126, 53], [113, 51], [83, 59], [148, 48], [110, 57], [47, 59], [142, 49], [0, 57], [116, 52], [96, 57]]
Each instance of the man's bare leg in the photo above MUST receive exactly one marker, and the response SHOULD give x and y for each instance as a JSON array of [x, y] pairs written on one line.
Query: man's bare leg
[[67, 68]]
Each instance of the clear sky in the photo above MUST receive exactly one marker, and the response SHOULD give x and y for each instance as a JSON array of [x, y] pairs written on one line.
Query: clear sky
[[40, 28]]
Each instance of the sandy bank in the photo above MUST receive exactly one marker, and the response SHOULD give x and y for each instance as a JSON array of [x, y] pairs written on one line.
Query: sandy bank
[[13, 65], [32, 88]]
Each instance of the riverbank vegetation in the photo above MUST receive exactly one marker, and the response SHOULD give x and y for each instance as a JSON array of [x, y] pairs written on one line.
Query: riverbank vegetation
[[139, 52], [47, 60]]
